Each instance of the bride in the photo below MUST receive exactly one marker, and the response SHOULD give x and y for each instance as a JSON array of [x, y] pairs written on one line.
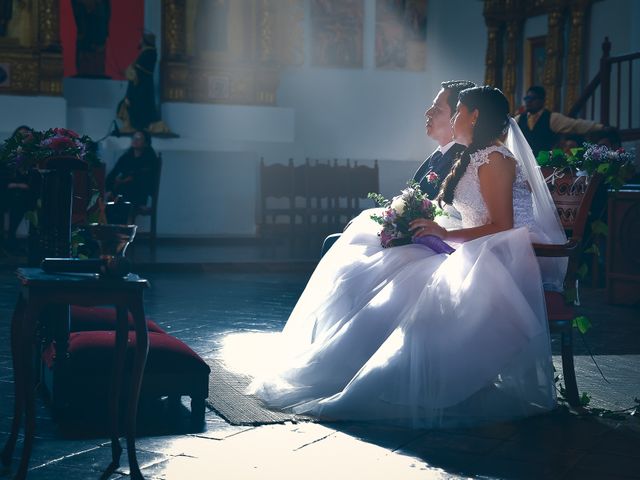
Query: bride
[[409, 336]]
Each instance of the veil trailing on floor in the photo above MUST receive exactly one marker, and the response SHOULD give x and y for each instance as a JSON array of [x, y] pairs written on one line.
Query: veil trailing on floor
[[544, 210]]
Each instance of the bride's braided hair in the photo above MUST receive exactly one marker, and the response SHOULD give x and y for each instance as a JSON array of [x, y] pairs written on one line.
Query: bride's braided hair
[[492, 123]]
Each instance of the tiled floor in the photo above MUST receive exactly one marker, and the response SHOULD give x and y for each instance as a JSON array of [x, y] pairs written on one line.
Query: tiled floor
[[212, 291]]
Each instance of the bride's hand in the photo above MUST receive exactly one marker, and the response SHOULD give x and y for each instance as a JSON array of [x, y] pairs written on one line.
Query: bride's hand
[[422, 227]]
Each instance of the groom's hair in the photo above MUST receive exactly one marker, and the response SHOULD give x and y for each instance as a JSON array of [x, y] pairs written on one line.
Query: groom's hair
[[455, 87]]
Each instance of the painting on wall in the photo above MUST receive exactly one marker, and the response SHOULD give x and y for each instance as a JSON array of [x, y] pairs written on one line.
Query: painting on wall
[[537, 57], [216, 29], [336, 27], [401, 34]]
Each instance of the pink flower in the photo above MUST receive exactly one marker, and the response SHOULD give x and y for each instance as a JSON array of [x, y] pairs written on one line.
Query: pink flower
[[385, 238], [65, 132], [432, 177], [58, 143], [426, 204]]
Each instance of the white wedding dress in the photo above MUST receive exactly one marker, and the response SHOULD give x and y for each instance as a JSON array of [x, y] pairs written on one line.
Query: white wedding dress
[[412, 337]]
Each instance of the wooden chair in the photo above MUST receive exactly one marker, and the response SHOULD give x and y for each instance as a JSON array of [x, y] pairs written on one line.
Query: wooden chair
[[343, 196], [151, 210], [282, 204], [363, 180], [560, 305], [321, 201]]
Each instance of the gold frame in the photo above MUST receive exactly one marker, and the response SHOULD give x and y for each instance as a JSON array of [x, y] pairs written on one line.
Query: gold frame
[[36, 69], [531, 45], [505, 19], [218, 77]]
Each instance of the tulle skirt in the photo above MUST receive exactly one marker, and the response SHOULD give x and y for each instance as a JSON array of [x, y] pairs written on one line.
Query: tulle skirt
[[408, 336]]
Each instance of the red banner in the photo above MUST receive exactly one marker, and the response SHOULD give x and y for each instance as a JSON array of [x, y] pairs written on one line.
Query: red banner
[[100, 38]]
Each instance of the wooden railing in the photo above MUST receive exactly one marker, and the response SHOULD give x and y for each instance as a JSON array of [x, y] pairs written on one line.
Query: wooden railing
[[602, 98]]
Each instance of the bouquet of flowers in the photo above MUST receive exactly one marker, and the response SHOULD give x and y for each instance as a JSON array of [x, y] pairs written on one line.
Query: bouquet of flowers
[[24, 151], [400, 211], [615, 165]]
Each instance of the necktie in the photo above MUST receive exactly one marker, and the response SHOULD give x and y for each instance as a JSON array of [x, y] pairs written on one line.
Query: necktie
[[435, 158], [531, 121]]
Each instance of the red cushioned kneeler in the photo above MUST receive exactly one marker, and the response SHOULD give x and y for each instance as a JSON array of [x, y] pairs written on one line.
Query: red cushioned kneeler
[[101, 318], [172, 369]]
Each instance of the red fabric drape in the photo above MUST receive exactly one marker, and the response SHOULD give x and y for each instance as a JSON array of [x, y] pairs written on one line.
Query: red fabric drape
[[125, 30]]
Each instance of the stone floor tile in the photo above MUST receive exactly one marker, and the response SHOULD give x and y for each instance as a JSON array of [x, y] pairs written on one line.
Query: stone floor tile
[[610, 464]]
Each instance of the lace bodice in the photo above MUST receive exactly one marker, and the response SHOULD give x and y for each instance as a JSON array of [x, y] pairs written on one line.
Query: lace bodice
[[468, 199]]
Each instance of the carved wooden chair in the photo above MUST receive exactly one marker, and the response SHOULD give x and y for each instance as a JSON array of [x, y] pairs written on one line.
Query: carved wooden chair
[[279, 211], [322, 200], [151, 210], [363, 180], [560, 305]]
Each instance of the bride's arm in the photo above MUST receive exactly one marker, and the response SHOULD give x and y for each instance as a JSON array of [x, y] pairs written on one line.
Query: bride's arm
[[496, 187]]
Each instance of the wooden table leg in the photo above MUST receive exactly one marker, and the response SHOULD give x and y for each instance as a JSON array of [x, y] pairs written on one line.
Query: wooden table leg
[[18, 380], [140, 359], [120, 354], [31, 313]]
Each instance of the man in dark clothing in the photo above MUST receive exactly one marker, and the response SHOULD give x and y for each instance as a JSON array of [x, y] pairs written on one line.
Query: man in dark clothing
[[438, 127], [542, 127]]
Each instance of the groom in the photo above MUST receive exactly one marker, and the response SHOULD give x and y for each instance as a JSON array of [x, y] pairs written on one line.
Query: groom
[[438, 127]]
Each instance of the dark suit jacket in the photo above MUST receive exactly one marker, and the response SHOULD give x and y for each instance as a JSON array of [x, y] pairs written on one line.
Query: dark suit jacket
[[442, 167]]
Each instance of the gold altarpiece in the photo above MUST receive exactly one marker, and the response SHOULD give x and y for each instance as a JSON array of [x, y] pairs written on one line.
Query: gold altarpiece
[[228, 51], [505, 24], [30, 51]]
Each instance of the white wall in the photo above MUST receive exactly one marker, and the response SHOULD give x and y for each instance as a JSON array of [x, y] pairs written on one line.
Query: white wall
[[39, 112]]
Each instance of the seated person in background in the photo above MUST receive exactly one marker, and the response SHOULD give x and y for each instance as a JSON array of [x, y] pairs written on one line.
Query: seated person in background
[[134, 173], [15, 195], [541, 127]]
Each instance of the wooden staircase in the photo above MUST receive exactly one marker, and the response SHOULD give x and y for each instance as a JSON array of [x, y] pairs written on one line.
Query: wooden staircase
[[601, 100]]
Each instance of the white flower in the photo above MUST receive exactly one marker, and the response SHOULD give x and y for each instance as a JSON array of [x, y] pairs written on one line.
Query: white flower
[[398, 204]]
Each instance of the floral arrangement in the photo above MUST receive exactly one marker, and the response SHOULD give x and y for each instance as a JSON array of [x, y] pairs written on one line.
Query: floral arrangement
[[615, 165], [27, 150], [400, 211]]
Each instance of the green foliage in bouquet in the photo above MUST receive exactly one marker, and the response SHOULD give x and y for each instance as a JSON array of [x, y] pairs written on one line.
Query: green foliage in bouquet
[[400, 211]]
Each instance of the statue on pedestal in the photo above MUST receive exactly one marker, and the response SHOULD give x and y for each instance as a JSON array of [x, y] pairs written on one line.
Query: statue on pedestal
[[138, 110]]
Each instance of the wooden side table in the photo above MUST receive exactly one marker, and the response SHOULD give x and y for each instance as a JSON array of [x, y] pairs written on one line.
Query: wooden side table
[[40, 289]]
